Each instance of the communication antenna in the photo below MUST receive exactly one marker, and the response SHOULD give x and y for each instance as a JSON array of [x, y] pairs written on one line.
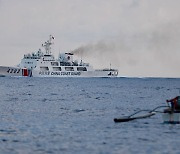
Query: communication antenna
[[81, 58], [47, 45]]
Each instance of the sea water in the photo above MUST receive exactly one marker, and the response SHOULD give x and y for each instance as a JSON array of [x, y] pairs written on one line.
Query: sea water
[[75, 115]]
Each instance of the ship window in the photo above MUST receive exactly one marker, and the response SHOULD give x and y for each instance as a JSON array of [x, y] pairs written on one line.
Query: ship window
[[81, 69], [56, 68], [28, 62], [44, 68], [65, 64], [69, 68], [54, 63]]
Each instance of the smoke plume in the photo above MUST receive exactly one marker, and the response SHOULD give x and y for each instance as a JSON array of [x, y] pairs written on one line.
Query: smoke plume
[[152, 51]]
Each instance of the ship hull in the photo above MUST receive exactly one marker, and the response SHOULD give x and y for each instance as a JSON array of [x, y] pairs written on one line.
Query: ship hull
[[10, 71], [36, 73], [6, 71]]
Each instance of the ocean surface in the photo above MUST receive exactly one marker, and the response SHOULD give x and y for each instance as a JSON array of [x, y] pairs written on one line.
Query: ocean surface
[[75, 115]]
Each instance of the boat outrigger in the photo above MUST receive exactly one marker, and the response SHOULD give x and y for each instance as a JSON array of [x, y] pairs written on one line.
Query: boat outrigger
[[170, 115], [133, 117], [43, 64]]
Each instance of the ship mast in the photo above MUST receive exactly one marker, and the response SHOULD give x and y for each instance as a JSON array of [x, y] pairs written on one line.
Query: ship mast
[[47, 45]]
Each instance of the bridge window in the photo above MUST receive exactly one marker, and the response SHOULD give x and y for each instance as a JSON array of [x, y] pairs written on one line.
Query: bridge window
[[81, 69], [56, 68], [44, 68], [69, 68]]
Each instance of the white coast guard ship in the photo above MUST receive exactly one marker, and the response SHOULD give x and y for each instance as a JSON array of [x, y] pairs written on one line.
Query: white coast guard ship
[[41, 64]]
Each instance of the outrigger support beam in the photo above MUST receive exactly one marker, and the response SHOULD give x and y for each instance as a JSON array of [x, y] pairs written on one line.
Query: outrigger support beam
[[131, 117]]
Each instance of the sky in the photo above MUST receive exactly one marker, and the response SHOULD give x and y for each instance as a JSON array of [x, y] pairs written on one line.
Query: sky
[[140, 38]]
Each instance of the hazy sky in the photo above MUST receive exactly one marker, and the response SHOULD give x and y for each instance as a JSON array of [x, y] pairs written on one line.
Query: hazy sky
[[140, 38]]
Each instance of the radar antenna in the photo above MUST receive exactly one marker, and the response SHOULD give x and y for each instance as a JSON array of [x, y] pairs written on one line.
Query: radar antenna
[[47, 45]]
